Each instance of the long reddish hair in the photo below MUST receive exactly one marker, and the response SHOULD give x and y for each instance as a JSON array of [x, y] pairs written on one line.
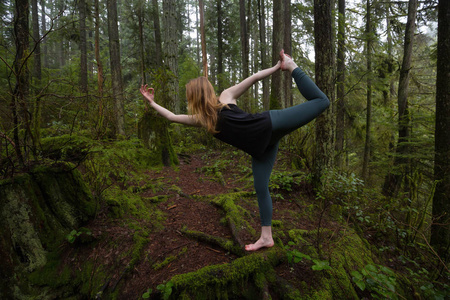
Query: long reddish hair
[[203, 103]]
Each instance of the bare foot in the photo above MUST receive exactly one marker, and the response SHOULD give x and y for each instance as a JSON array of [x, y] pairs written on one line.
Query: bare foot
[[288, 63], [261, 243]]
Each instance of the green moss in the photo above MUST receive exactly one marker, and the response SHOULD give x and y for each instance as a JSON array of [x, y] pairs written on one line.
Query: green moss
[[125, 202], [37, 211], [17, 217], [140, 240], [67, 147], [168, 260], [225, 244], [222, 281], [53, 274], [235, 214]]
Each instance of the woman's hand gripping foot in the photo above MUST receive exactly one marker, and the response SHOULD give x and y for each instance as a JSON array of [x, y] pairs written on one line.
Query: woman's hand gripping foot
[[287, 63]]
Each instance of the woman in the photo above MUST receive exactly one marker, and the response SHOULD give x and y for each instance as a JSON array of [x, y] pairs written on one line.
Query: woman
[[257, 134]]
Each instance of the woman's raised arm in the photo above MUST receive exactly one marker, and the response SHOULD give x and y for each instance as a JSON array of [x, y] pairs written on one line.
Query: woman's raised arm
[[148, 93], [230, 95]]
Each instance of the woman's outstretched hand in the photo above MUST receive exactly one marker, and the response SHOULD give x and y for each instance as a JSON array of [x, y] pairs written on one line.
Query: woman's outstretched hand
[[148, 93]]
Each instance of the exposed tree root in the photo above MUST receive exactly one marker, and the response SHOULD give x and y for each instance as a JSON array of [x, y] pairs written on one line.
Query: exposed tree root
[[235, 216], [223, 243]]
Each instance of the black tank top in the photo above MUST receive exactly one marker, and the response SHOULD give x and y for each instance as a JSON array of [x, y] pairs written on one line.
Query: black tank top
[[248, 132]]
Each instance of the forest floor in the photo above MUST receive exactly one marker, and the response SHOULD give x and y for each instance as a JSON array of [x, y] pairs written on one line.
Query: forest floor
[[167, 251]]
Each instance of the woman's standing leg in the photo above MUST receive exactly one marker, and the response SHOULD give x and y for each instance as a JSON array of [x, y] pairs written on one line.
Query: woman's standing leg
[[283, 122], [262, 168]]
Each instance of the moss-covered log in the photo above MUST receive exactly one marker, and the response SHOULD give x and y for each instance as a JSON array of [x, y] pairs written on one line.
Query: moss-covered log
[[245, 278]]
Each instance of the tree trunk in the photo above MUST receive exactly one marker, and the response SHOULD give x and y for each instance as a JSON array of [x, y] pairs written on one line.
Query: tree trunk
[[219, 47], [340, 103], [171, 52], [158, 40], [83, 47], [440, 234], [401, 162], [37, 72], [244, 101], [263, 50], [203, 39], [116, 70], [19, 97], [324, 71], [36, 37], [140, 17], [44, 30], [276, 93], [287, 81], [367, 145], [100, 76]]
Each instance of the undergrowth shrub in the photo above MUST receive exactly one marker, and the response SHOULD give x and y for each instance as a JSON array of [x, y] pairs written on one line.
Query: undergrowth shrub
[[119, 163]]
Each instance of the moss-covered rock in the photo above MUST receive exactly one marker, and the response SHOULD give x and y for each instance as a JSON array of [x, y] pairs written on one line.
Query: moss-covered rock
[[67, 147], [37, 211]]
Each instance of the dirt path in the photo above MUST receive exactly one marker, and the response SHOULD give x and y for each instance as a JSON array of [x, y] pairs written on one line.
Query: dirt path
[[167, 251]]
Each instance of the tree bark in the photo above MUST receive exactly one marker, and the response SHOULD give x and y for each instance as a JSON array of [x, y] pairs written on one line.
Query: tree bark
[[367, 145], [37, 73], [140, 17], [83, 46], [401, 166], [203, 39], [44, 30], [245, 101], [158, 39], [219, 46], [19, 97], [287, 81], [340, 103], [116, 70], [276, 93], [171, 51], [263, 51], [100, 75], [440, 234], [324, 72]]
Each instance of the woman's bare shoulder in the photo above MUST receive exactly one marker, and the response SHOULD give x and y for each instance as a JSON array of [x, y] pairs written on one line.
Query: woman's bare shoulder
[[226, 97]]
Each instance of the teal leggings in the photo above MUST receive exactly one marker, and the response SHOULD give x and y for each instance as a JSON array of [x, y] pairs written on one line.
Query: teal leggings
[[285, 121]]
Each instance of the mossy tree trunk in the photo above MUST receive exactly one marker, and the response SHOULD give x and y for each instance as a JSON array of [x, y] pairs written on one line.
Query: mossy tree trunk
[[401, 168], [324, 80], [154, 129], [440, 235]]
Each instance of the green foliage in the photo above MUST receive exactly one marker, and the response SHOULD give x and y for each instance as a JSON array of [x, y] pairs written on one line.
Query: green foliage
[[147, 294], [74, 234], [116, 163], [343, 188], [320, 265], [437, 291], [281, 180], [165, 289], [380, 281], [295, 256]]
